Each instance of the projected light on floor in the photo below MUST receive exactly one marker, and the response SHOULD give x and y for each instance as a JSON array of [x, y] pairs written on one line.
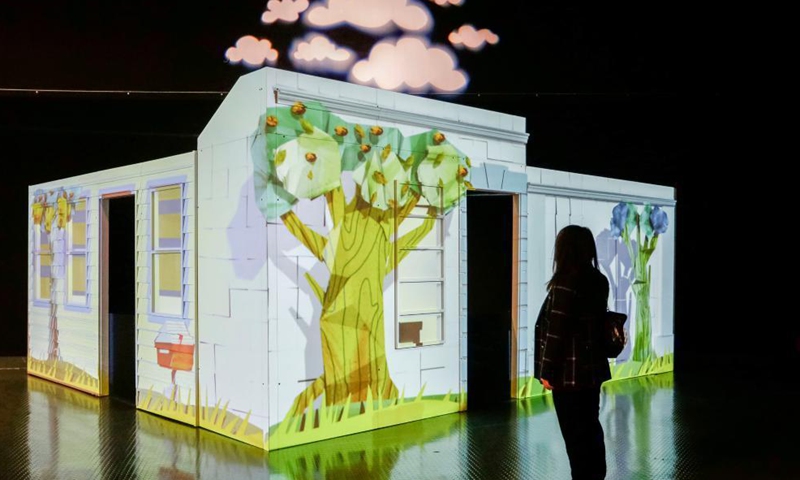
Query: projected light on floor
[[405, 52]]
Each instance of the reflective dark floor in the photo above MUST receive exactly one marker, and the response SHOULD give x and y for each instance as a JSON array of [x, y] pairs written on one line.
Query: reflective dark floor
[[667, 426]]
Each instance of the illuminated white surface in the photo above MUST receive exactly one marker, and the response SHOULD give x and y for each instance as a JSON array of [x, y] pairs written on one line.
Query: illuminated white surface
[[413, 63], [375, 16], [252, 51], [284, 10], [469, 37]]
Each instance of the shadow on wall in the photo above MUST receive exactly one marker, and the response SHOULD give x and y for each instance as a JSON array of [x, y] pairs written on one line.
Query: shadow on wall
[[254, 258], [620, 276]]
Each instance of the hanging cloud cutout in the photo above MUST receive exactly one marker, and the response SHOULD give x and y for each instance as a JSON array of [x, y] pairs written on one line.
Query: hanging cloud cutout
[[468, 36], [371, 16], [284, 10], [447, 3], [317, 53], [252, 51], [410, 64]]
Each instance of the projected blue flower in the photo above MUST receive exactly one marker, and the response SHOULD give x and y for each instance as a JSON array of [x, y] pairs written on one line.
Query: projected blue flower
[[618, 218], [639, 231], [659, 220]]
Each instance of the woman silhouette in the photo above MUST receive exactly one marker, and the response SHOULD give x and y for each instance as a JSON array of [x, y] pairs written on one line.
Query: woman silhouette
[[568, 357]]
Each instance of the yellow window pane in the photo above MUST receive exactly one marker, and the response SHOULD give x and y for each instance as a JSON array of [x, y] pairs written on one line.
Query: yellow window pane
[[44, 276], [78, 225], [44, 242], [167, 217], [169, 231], [44, 288], [166, 295], [78, 275], [168, 272], [172, 192]]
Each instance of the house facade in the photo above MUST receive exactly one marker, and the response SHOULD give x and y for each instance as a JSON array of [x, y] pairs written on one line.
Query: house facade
[[304, 274]]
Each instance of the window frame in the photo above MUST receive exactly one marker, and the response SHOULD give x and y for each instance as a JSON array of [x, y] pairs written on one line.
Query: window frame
[[70, 252], [440, 281], [155, 250]]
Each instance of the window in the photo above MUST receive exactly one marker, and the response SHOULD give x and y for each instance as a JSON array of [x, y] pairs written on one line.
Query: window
[[420, 280], [76, 254], [43, 262], [166, 252]]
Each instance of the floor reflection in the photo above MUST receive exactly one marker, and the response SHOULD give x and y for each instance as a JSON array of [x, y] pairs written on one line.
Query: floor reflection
[[634, 414], [52, 431]]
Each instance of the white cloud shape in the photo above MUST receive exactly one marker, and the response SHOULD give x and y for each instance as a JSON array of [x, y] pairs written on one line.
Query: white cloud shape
[[252, 51], [372, 16], [467, 36], [410, 63], [447, 3], [284, 10], [318, 53]]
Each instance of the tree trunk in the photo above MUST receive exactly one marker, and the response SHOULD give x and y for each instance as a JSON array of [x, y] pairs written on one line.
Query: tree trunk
[[52, 350], [359, 252], [642, 345], [352, 322]]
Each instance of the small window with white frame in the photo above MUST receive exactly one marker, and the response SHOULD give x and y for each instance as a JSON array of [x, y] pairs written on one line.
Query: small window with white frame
[[77, 253], [419, 279], [167, 250]]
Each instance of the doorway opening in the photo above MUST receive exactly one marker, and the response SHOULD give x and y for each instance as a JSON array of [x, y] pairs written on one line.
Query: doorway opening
[[491, 254], [119, 295]]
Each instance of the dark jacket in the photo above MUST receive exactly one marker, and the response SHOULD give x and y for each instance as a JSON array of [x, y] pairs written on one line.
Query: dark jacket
[[568, 354]]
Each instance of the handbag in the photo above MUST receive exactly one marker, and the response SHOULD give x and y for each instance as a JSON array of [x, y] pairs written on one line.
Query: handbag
[[614, 336]]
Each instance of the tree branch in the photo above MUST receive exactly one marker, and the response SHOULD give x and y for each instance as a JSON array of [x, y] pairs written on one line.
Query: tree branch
[[312, 240], [316, 288], [351, 207], [336, 205], [411, 239], [404, 211]]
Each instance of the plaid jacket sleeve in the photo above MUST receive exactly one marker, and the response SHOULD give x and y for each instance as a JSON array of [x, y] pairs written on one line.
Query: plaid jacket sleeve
[[555, 329]]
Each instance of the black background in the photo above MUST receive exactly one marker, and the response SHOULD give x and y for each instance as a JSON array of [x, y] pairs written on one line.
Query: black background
[[668, 94]]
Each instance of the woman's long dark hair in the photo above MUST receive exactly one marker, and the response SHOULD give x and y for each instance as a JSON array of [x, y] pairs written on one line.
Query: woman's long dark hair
[[575, 252]]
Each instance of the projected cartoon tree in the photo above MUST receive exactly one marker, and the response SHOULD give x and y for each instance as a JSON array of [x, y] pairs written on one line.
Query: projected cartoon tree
[[300, 153], [51, 212], [639, 231]]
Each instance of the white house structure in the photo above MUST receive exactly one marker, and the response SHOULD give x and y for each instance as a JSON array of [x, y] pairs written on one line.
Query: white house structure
[[304, 274]]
